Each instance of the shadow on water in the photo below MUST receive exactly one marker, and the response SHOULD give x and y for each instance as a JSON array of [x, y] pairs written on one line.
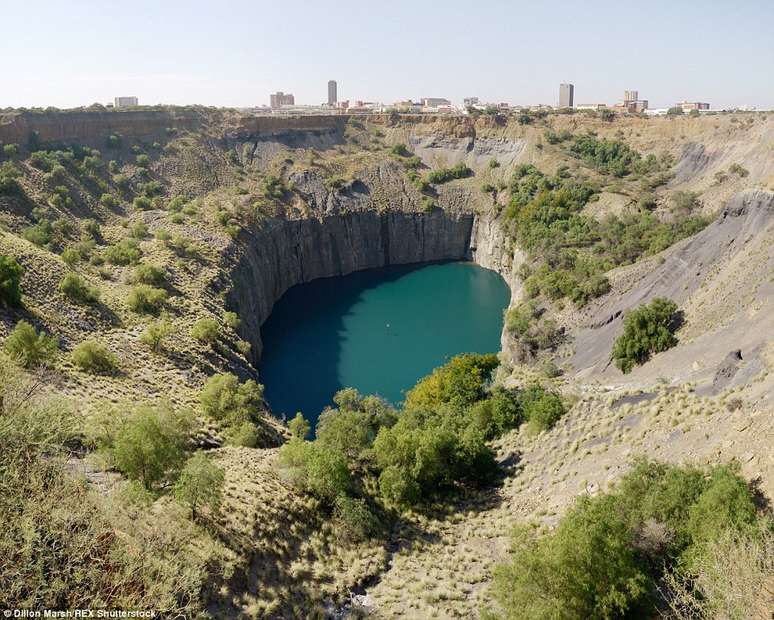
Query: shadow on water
[[303, 338], [377, 330]]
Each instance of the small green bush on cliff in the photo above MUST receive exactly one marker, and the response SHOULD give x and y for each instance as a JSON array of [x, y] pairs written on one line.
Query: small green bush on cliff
[[93, 357], [78, 290], [647, 330], [30, 348], [206, 331], [224, 398], [10, 281], [444, 175], [145, 299]]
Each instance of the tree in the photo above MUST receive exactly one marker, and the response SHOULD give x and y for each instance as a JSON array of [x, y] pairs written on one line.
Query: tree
[[206, 331], [156, 333], [10, 281], [648, 329], [200, 484], [150, 445], [299, 427], [461, 381], [223, 397], [30, 348]]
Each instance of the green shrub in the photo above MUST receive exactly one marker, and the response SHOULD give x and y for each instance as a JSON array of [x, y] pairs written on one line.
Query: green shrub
[[125, 252], [142, 203], [206, 331], [92, 357], [150, 444], [541, 409], [647, 330], [77, 290], [401, 150], [244, 434], [461, 382], [444, 175], [320, 471], [8, 175], [224, 398], [299, 427], [10, 150], [232, 320], [353, 520], [40, 234], [607, 553], [200, 485], [10, 281], [156, 334], [145, 299], [30, 348], [71, 257], [143, 160], [152, 275], [586, 569]]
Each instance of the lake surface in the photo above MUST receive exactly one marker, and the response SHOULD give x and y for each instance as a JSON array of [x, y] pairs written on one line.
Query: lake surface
[[378, 331]]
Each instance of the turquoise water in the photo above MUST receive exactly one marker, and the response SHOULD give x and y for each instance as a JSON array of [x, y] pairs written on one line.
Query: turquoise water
[[378, 331]]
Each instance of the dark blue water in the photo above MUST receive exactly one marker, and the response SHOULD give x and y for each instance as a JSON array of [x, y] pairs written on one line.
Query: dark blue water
[[378, 331]]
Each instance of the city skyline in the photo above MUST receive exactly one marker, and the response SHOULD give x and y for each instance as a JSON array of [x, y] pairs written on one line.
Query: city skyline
[[177, 57]]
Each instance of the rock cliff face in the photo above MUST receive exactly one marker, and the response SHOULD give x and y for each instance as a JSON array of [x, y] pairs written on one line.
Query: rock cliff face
[[289, 252]]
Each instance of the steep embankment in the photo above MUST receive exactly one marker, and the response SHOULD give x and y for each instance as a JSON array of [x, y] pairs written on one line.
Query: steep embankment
[[718, 277]]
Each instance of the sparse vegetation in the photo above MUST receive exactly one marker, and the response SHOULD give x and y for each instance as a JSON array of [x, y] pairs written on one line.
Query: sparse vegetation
[[76, 289], [206, 331], [145, 299], [444, 175]]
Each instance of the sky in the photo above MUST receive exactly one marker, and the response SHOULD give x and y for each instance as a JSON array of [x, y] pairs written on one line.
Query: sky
[[68, 53]]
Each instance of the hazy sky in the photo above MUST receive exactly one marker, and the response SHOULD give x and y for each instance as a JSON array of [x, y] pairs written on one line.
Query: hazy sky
[[68, 53]]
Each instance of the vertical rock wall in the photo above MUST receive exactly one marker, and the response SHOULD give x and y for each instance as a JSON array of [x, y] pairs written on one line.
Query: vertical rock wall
[[289, 252]]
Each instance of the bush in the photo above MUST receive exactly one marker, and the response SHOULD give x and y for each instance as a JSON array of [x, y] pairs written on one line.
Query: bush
[[401, 150], [152, 275], [125, 252], [150, 445], [77, 290], [232, 320], [299, 427], [224, 398], [320, 471], [143, 160], [444, 175], [156, 333], [10, 281], [244, 435], [206, 331], [10, 150], [145, 299], [8, 175], [461, 382], [29, 348], [607, 554], [541, 409], [94, 358], [647, 330], [353, 520], [142, 203], [586, 569], [200, 484]]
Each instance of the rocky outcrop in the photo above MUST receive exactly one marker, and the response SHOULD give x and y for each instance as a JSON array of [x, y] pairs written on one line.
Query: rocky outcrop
[[284, 253]]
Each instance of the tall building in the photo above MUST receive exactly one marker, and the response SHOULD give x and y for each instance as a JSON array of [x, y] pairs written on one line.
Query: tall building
[[278, 99], [566, 95], [126, 102], [630, 96], [332, 95]]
